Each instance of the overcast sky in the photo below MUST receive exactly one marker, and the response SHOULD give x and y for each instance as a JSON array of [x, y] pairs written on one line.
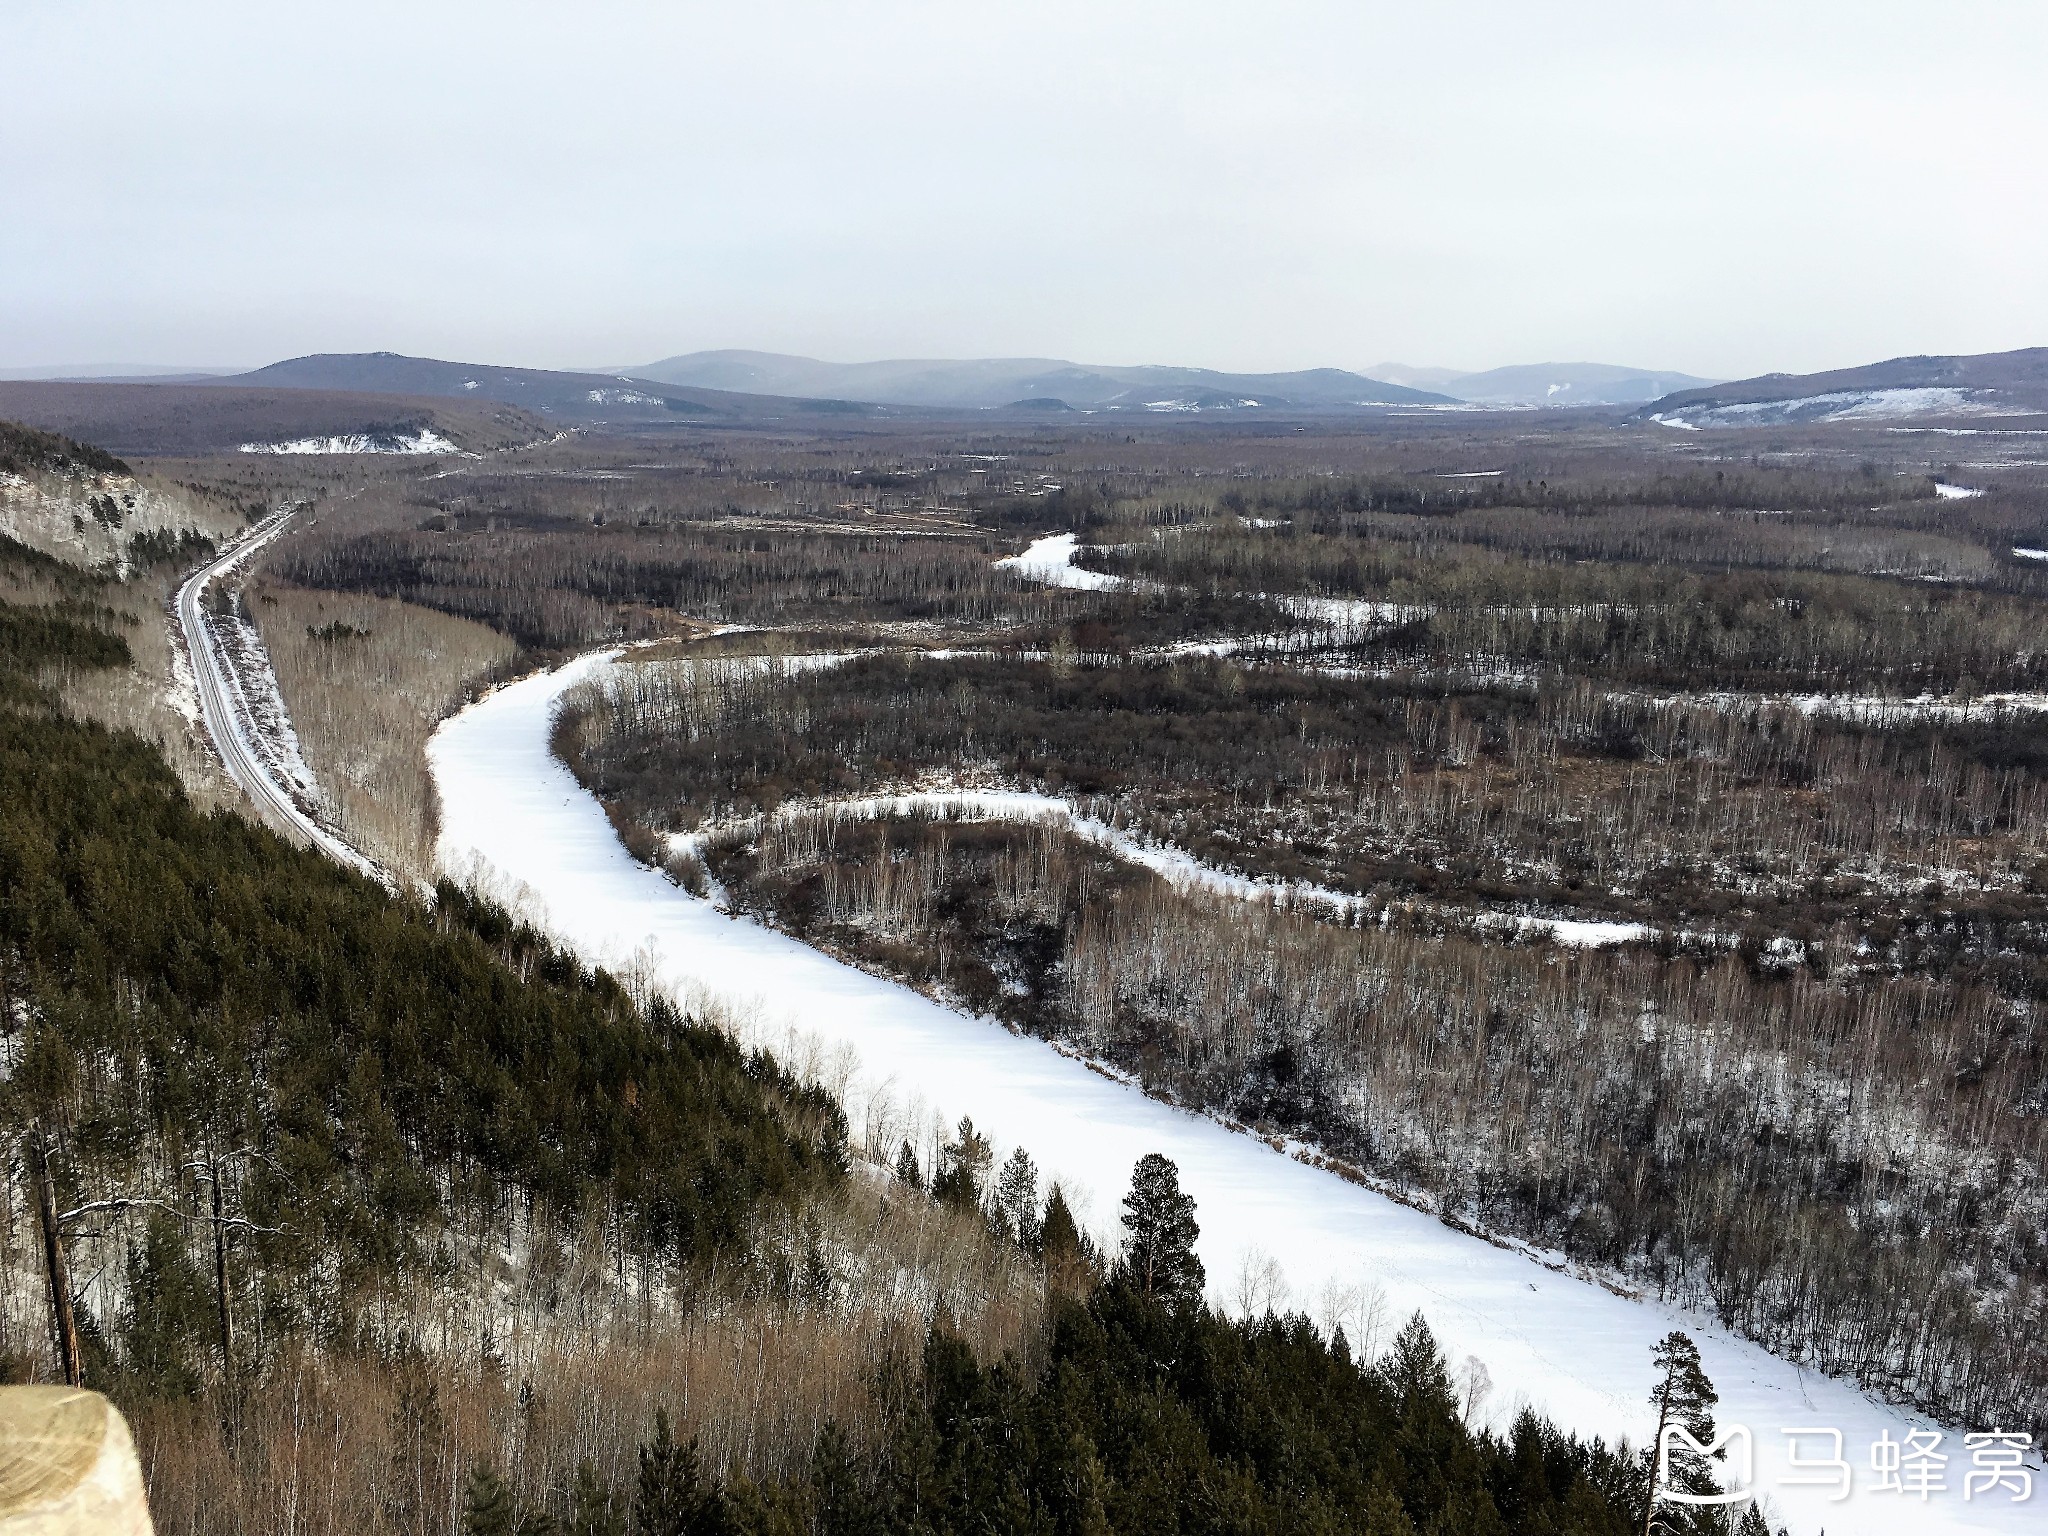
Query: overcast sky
[[1720, 188]]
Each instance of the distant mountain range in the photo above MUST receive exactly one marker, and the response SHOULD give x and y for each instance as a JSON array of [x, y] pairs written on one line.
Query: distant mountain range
[[1983, 384], [733, 384], [561, 396], [1544, 383], [1041, 383], [736, 387]]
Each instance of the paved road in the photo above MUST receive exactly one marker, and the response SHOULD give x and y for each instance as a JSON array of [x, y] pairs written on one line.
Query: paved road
[[223, 702]]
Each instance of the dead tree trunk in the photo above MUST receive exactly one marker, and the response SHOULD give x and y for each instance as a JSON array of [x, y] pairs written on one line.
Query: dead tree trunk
[[63, 1318]]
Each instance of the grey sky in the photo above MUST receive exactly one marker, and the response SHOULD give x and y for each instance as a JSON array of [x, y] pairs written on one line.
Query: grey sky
[[1722, 188]]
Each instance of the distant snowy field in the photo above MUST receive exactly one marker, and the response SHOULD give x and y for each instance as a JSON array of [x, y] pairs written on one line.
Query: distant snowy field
[[1845, 405], [1050, 560], [426, 440], [515, 821]]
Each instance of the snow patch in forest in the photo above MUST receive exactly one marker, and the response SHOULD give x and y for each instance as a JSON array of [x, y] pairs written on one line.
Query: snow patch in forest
[[426, 440], [1837, 405], [517, 823], [2021, 553], [1867, 709], [1949, 492], [1050, 561]]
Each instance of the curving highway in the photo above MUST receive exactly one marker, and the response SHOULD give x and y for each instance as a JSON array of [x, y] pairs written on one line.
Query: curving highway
[[225, 692]]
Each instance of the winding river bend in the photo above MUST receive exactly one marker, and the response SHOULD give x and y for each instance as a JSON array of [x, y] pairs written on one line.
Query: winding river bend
[[515, 820]]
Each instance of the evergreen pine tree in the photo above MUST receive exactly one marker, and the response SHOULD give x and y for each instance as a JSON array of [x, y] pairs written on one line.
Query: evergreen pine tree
[[1159, 1255], [1017, 1199], [487, 1507], [963, 1163], [907, 1169], [1068, 1259], [672, 1497], [1684, 1398], [842, 1505], [593, 1508]]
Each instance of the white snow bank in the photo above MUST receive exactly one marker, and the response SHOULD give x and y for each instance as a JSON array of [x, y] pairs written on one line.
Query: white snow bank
[[2021, 553], [1871, 709], [514, 819], [1179, 868], [426, 440], [1051, 560], [1955, 492]]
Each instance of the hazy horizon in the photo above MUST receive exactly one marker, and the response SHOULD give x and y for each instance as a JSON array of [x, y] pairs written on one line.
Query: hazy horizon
[[1319, 185]]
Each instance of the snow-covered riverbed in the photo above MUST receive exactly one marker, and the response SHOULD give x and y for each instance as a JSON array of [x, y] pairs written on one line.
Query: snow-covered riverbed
[[514, 816]]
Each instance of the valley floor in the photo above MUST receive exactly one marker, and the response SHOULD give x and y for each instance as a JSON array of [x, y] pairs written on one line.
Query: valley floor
[[1276, 1230]]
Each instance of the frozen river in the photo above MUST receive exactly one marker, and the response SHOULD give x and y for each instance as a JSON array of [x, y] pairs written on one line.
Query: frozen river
[[513, 817]]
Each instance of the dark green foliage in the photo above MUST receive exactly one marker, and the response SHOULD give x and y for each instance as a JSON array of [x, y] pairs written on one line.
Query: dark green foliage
[[1147, 1418], [1159, 1256], [169, 1313], [673, 1497], [593, 1509], [487, 1504], [1016, 1199], [194, 981], [907, 1168], [963, 1165], [24, 450], [1059, 1236], [34, 637], [335, 632], [489, 1508], [1684, 1399], [166, 546]]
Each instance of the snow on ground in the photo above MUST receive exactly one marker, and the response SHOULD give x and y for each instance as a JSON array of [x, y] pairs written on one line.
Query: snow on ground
[[1955, 492], [426, 440], [1840, 405], [1051, 560], [515, 821], [1176, 866], [1346, 614], [2021, 553], [1870, 709]]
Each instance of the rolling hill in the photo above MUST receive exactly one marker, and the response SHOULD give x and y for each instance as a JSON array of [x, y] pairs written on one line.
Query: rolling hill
[[995, 383], [157, 419], [556, 395], [1984, 384], [1544, 383]]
